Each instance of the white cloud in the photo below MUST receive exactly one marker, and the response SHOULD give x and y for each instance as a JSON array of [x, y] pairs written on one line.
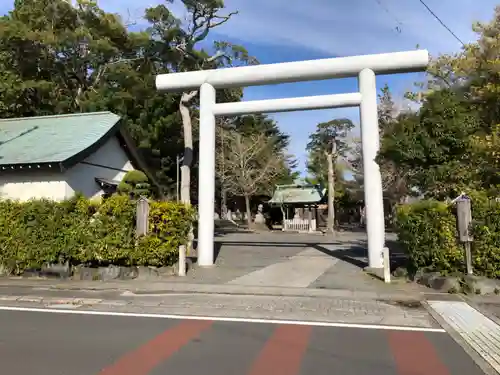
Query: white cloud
[[343, 27], [340, 27]]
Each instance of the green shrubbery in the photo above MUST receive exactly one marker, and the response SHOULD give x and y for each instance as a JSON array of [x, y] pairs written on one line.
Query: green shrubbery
[[81, 231], [486, 232], [427, 231], [135, 184]]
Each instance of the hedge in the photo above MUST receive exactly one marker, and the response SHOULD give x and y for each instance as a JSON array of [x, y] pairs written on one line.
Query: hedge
[[82, 231], [486, 232], [428, 234]]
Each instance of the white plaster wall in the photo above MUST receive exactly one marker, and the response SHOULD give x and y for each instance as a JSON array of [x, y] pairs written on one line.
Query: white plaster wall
[[81, 177], [30, 184]]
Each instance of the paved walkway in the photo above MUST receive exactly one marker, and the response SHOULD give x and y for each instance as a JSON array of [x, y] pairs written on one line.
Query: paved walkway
[[295, 261], [299, 271]]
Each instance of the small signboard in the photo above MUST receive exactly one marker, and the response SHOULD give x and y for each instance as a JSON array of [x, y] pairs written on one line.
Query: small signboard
[[142, 216], [464, 218]]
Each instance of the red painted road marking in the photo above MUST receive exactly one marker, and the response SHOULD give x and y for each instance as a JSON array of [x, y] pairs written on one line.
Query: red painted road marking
[[283, 352], [414, 354], [145, 358]]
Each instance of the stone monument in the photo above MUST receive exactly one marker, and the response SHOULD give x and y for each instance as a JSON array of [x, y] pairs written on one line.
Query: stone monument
[[260, 220], [259, 217]]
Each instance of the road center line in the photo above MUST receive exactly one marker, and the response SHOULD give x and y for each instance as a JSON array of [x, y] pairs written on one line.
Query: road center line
[[223, 319]]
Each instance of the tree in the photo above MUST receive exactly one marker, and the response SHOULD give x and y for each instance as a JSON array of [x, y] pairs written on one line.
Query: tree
[[394, 178], [317, 168], [179, 43], [486, 153], [134, 184], [57, 55], [433, 146], [247, 126], [174, 40], [263, 124], [249, 164], [326, 146], [454, 133]]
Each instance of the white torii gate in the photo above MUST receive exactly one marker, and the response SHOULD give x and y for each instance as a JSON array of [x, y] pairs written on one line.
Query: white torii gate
[[365, 67]]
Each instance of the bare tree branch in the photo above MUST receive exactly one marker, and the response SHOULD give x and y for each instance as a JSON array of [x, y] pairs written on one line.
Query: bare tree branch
[[247, 163], [217, 55]]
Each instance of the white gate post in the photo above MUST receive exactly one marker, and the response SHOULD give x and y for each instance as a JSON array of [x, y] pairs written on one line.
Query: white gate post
[[375, 226], [206, 176]]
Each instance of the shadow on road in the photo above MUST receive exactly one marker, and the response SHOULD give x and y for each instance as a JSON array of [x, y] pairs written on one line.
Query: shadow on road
[[354, 255], [351, 252]]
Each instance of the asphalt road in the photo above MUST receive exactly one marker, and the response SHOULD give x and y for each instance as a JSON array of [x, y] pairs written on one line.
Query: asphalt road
[[69, 344]]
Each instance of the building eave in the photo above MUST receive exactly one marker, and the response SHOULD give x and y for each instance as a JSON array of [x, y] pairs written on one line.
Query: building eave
[[56, 166], [295, 202]]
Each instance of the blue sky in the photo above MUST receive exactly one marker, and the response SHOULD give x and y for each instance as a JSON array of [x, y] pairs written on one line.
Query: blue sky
[[291, 30]]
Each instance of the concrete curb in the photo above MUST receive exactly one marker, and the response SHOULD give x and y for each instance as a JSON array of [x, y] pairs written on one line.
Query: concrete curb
[[63, 301], [159, 288]]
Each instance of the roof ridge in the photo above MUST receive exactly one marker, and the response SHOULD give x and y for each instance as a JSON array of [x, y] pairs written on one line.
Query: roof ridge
[[82, 114]]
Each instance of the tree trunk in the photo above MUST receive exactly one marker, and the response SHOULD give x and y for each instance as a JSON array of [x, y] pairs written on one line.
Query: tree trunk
[[249, 212], [283, 213], [331, 194], [224, 203], [187, 129]]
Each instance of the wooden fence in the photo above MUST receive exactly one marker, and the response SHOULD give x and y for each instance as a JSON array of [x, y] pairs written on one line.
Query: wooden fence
[[299, 225]]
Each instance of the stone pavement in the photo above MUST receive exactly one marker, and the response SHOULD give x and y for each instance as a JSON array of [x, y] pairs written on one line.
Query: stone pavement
[[294, 260]]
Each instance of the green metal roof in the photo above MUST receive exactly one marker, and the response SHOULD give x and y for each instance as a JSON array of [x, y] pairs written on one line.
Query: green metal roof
[[53, 139], [289, 194]]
